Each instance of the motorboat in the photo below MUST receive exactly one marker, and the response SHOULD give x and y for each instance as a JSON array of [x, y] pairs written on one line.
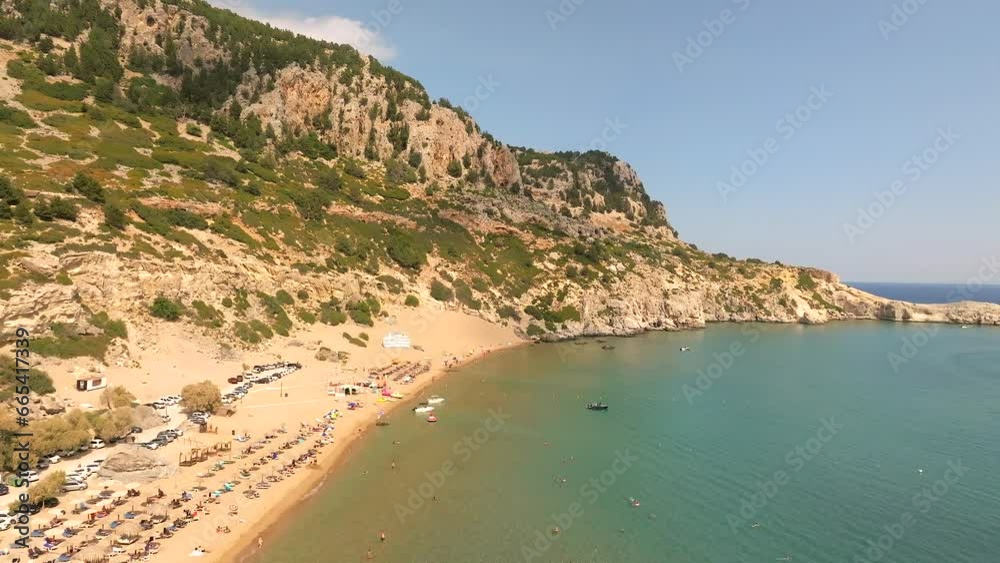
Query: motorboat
[[597, 406], [435, 400], [423, 409], [685, 348], [432, 418], [633, 502]]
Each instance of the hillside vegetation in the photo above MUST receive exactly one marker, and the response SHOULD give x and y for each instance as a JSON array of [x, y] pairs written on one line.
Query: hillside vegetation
[[168, 161]]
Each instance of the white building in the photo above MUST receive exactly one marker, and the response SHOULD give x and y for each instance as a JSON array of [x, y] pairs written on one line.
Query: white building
[[396, 340]]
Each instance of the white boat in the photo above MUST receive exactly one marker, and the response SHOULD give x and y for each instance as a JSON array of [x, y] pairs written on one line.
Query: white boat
[[435, 400], [422, 409]]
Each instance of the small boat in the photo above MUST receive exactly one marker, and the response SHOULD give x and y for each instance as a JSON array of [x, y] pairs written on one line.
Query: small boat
[[382, 423], [607, 347], [435, 400], [432, 418], [423, 409], [597, 406], [397, 395], [634, 503], [685, 348]]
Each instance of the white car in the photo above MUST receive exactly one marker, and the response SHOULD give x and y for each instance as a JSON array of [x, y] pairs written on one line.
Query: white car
[[53, 459], [96, 444], [151, 445], [73, 485], [30, 476], [94, 466]]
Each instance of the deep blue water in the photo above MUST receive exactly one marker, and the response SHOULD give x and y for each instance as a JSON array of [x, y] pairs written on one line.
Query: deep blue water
[[932, 292]]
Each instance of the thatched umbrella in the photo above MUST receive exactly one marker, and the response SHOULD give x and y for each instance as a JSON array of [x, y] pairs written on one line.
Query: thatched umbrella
[[158, 509], [128, 530], [92, 554], [72, 524]]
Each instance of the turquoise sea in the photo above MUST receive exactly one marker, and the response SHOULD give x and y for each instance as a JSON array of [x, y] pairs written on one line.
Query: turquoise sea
[[762, 442]]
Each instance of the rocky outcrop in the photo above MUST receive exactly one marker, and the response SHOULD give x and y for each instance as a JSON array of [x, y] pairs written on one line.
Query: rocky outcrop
[[135, 464]]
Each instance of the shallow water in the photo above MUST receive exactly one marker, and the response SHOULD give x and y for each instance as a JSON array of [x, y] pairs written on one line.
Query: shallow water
[[820, 419]]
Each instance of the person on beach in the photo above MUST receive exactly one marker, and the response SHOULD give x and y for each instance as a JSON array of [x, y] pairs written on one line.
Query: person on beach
[[260, 542]]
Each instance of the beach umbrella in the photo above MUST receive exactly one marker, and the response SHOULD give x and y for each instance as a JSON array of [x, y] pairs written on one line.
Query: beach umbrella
[[119, 494], [158, 509], [128, 529], [108, 483], [133, 485], [56, 512], [92, 554], [72, 524]]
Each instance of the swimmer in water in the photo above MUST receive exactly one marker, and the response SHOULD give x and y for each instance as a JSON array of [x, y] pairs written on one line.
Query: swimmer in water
[[381, 535]]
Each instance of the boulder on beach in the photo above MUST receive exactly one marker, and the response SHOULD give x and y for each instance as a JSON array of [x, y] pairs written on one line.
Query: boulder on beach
[[136, 464]]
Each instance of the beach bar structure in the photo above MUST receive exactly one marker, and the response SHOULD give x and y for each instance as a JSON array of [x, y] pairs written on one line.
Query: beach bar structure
[[396, 341], [91, 382]]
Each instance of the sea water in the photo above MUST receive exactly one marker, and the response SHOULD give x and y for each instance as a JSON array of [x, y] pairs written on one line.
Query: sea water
[[760, 443]]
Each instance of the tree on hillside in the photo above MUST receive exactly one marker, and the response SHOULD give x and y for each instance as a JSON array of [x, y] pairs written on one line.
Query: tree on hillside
[[116, 397], [87, 187], [114, 424], [47, 488], [114, 217], [204, 396]]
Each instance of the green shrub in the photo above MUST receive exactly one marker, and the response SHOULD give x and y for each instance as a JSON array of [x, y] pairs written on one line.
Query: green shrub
[[114, 217], [329, 179], [455, 169], [302, 294], [806, 282], [164, 308], [441, 292], [353, 169], [16, 117], [56, 208], [412, 301], [284, 297], [87, 187], [508, 312], [193, 129], [405, 250], [534, 330]]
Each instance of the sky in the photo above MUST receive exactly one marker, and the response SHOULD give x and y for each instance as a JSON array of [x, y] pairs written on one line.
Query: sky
[[858, 136]]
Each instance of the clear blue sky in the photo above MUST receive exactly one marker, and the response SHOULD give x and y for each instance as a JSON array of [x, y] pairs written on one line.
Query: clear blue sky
[[686, 130]]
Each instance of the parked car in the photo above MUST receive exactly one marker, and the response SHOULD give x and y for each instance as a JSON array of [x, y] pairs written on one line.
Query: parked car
[[136, 430], [73, 485], [151, 445], [52, 459], [31, 476], [4, 489], [42, 465], [83, 449], [96, 444]]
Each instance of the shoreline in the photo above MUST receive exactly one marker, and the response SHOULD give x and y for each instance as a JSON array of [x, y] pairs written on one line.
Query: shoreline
[[308, 483]]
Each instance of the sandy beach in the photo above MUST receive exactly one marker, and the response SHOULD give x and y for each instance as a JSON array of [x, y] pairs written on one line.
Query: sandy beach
[[290, 410]]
